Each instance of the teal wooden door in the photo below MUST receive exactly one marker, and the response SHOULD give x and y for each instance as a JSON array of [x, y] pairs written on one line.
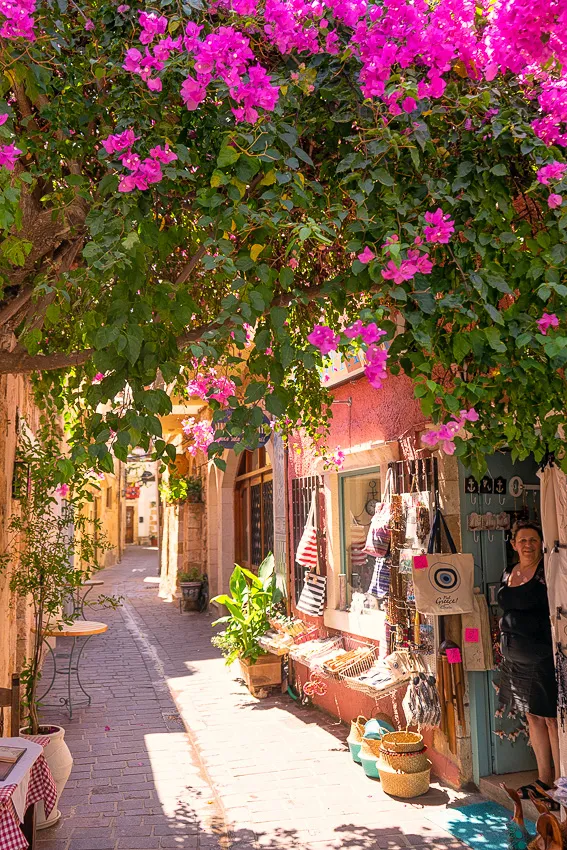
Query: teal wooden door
[[492, 552]]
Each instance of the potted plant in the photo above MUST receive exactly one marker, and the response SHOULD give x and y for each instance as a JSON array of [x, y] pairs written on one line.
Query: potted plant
[[49, 544], [181, 489], [190, 583], [253, 601]]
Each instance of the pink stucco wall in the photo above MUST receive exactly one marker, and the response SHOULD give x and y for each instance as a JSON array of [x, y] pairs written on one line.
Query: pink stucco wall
[[386, 414]]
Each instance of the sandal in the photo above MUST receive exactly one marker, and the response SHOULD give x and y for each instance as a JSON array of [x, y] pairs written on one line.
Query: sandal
[[543, 789], [525, 790]]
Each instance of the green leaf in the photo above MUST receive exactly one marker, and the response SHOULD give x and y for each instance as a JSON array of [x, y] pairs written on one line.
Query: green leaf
[[228, 156], [382, 175]]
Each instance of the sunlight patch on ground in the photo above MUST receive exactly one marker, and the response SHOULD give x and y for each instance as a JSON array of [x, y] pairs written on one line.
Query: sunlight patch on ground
[[151, 579]]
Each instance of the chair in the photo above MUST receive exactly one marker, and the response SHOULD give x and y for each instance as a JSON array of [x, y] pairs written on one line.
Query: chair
[[10, 698]]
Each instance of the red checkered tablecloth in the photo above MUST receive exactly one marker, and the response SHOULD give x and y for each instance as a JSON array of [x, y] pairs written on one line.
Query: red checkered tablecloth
[[41, 787]]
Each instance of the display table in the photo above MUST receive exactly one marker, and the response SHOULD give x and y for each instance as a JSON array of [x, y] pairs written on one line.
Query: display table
[[78, 630], [29, 781]]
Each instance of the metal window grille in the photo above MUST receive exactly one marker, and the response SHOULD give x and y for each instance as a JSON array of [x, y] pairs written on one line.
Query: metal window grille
[[415, 475], [302, 490]]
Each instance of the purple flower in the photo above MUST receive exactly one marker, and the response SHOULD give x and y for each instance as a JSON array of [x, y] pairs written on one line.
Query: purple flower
[[193, 93], [554, 201], [323, 338], [164, 155], [124, 7], [89, 25], [405, 271], [547, 321], [354, 329], [8, 156], [440, 226], [119, 141], [366, 256], [371, 333], [409, 104], [554, 171], [3, 118]]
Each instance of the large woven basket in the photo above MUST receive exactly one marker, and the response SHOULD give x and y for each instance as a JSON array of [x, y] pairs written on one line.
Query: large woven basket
[[405, 762], [405, 785], [403, 742], [372, 745], [357, 728]]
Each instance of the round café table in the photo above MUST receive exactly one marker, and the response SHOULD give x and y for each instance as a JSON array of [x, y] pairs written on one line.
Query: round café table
[[80, 632]]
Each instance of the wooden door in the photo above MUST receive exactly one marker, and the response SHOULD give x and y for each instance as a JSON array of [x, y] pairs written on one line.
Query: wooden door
[[129, 524]]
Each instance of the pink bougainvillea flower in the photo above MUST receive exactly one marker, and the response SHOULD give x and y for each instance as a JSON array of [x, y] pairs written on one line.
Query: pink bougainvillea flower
[[469, 415], [366, 256], [405, 271], [440, 226], [192, 93], [62, 490], [8, 156], [98, 378], [371, 333], [554, 201], [323, 338], [202, 433], [421, 261], [3, 118], [119, 141], [164, 155], [554, 171], [375, 368], [293, 263], [354, 330], [124, 7], [409, 104], [89, 25], [547, 321], [446, 433]]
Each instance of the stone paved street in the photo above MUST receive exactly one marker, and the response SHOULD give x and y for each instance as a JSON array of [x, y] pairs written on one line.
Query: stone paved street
[[175, 753]]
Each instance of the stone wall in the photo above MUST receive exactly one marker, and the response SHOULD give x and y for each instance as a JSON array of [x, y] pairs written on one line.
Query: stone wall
[[16, 406]]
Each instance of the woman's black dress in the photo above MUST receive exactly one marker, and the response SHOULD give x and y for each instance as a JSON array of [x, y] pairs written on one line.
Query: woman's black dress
[[527, 680]]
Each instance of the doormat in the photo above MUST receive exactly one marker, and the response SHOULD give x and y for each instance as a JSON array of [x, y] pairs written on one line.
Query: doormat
[[483, 826]]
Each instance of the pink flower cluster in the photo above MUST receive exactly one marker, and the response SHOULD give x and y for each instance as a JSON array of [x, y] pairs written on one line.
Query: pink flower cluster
[[201, 432], [440, 226], [447, 433], [145, 64], [547, 321], [323, 338], [551, 172], [143, 172], [415, 262], [8, 156], [375, 368], [19, 22], [367, 333], [212, 386]]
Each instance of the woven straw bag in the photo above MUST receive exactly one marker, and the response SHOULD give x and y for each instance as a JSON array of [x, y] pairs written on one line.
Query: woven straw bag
[[405, 762], [403, 742], [357, 728], [405, 785], [372, 745]]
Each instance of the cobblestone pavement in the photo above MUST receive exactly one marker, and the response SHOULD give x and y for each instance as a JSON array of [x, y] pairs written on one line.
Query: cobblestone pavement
[[175, 753]]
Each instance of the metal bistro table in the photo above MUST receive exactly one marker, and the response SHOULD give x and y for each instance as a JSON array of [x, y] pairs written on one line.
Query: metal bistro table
[[78, 599], [77, 630]]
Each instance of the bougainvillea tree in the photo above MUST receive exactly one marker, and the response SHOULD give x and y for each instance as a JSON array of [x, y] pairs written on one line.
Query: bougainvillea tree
[[242, 187]]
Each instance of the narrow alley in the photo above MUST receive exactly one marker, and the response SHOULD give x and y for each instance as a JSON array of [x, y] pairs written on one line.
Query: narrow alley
[[175, 753]]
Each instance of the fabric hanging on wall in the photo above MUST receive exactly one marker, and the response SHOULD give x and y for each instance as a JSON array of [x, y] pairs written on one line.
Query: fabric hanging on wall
[[378, 539], [307, 551], [358, 534], [476, 638], [312, 599], [380, 584], [553, 503]]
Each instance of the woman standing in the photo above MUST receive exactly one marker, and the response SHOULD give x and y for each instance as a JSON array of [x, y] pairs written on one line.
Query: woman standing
[[528, 673]]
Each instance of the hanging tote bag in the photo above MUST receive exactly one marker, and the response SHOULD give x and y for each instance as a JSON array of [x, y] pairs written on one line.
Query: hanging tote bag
[[443, 583], [307, 553], [312, 598], [378, 539]]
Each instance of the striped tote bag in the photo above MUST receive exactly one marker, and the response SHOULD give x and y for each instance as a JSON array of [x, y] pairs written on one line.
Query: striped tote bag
[[312, 599], [307, 552]]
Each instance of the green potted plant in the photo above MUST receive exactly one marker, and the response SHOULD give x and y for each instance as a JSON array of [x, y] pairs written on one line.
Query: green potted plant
[[181, 489], [190, 582], [49, 545], [253, 600]]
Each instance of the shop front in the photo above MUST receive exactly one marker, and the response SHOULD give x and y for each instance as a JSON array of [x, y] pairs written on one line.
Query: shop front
[[370, 651]]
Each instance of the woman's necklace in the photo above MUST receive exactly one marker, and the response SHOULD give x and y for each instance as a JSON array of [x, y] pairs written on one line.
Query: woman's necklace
[[519, 573]]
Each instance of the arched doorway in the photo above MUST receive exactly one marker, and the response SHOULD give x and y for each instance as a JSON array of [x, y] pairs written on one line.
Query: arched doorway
[[253, 509]]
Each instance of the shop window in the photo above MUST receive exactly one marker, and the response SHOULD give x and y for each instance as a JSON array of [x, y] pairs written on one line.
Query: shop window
[[253, 509], [303, 491], [360, 493]]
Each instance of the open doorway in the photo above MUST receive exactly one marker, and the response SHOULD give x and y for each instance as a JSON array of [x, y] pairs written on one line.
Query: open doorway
[[499, 743], [129, 524]]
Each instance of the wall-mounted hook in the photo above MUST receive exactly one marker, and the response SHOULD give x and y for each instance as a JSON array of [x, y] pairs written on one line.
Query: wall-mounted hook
[[502, 500], [473, 501], [490, 536], [475, 536], [487, 499]]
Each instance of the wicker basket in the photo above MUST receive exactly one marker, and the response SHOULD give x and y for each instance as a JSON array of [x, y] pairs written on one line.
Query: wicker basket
[[405, 762], [405, 785], [357, 728], [372, 745], [403, 742]]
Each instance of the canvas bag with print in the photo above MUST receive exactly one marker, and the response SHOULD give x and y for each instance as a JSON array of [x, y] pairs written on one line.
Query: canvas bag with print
[[378, 539], [443, 583]]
